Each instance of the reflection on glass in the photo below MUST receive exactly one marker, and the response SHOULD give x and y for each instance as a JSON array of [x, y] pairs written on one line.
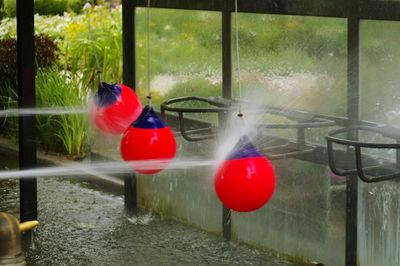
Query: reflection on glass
[[378, 216], [379, 77], [294, 62], [185, 51]]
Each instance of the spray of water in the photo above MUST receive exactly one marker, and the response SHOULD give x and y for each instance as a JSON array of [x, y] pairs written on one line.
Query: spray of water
[[105, 167], [15, 112]]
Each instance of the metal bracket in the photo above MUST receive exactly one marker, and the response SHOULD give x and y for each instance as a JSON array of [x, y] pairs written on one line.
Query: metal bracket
[[360, 169], [300, 121]]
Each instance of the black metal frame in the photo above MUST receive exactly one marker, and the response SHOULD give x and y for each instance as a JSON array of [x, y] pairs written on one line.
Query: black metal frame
[[360, 169], [26, 99]]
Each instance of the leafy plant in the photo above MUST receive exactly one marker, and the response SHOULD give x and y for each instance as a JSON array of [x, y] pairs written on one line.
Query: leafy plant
[[9, 100], [55, 89], [10, 8], [46, 54]]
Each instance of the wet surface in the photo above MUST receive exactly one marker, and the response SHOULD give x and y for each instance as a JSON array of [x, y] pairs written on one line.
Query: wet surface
[[81, 225]]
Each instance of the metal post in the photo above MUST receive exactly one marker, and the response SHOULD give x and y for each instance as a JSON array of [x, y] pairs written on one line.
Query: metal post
[[226, 93], [26, 99], [129, 56], [353, 114]]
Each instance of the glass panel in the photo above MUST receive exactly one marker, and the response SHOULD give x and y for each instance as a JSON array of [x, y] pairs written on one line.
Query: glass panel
[[378, 219], [293, 62], [379, 78], [186, 54]]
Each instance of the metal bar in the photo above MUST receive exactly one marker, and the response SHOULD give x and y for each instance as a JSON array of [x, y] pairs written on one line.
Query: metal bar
[[379, 10], [128, 43], [130, 193], [129, 77], [211, 5], [26, 99], [336, 8], [226, 93], [353, 114], [226, 51], [297, 7]]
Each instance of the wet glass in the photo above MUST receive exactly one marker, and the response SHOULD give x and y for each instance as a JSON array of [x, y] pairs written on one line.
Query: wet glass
[[185, 60], [378, 217], [295, 63]]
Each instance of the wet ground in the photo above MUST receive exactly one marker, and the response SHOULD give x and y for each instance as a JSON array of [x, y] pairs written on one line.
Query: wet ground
[[81, 224]]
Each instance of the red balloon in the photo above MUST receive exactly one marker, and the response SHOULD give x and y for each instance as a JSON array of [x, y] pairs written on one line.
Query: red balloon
[[148, 143], [114, 108], [246, 180]]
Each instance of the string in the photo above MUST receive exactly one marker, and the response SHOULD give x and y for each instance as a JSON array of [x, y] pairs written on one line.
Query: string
[[96, 56], [238, 58], [148, 55]]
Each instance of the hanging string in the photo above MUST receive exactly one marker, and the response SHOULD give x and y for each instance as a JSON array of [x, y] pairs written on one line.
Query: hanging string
[[148, 55], [238, 58], [96, 56]]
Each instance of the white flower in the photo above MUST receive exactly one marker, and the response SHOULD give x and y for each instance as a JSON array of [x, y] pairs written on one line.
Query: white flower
[[87, 6]]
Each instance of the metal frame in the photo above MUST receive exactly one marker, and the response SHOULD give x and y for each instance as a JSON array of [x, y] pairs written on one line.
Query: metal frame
[[359, 169], [26, 99]]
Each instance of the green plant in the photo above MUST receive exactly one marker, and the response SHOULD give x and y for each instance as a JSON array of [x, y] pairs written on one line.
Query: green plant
[[75, 5], [10, 8], [46, 55], [53, 7], [2, 13], [8, 100], [70, 131]]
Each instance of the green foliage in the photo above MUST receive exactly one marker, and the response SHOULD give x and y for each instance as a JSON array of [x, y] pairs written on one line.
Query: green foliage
[[75, 5], [69, 131], [53, 7], [8, 100], [43, 7], [65, 133], [197, 86], [46, 51], [10, 8], [2, 13]]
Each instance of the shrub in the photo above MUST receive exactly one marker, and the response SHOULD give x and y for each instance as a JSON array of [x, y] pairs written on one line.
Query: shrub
[[10, 8], [46, 55], [2, 9], [75, 5], [43, 7], [54, 7]]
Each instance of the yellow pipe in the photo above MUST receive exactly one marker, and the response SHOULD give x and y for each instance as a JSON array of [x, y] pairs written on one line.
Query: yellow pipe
[[28, 226]]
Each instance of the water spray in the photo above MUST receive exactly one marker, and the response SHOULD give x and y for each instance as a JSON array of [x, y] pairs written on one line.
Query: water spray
[[245, 180]]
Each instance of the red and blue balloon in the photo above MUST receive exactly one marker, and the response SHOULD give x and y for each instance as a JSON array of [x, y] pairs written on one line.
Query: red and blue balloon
[[148, 145], [114, 108], [246, 179]]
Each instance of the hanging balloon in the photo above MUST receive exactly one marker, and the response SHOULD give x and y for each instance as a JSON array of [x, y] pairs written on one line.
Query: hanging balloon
[[148, 144], [114, 108], [246, 180]]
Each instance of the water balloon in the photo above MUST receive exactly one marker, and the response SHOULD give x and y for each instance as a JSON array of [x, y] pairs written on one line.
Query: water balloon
[[114, 108], [245, 181], [148, 139]]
